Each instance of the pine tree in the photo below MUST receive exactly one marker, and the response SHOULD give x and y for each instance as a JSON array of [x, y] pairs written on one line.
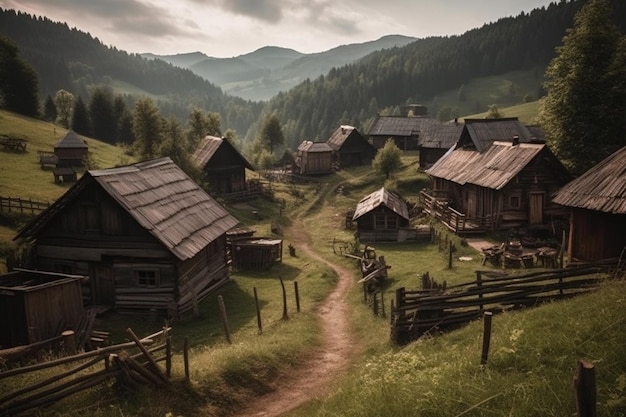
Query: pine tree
[[102, 115], [147, 128], [19, 83], [80, 118], [583, 110]]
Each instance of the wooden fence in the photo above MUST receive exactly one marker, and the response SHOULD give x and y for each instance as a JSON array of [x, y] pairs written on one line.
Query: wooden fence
[[418, 312], [89, 369], [20, 205]]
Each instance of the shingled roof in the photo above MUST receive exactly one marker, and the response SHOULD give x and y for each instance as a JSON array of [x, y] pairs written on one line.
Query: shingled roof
[[441, 135], [381, 197], [161, 198], [209, 146], [483, 132], [400, 126], [493, 168], [339, 136], [70, 140], [601, 188], [310, 146]]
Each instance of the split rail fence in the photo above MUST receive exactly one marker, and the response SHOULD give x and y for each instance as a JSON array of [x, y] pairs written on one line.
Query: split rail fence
[[20, 205], [418, 312], [133, 363]]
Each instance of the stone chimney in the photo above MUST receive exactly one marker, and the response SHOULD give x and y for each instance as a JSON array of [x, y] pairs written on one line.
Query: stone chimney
[[515, 140]]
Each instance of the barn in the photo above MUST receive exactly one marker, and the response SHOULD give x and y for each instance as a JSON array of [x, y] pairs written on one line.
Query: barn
[[38, 305], [148, 237], [597, 204], [405, 131], [350, 148], [223, 164], [70, 150]]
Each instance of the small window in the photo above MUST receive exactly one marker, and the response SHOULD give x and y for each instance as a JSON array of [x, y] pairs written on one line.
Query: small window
[[514, 201], [392, 222], [147, 278], [380, 221]]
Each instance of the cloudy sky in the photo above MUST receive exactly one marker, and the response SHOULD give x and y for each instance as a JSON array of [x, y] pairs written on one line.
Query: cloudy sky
[[227, 28]]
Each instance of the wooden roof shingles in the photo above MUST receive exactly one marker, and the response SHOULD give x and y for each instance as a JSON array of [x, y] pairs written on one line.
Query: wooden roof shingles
[[381, 197], [493, 168], [400, 126], [71, 140], [209, 146], [441, 135], [161, 198], [314, 147], [601, 188], [483, 132], [339, 136]]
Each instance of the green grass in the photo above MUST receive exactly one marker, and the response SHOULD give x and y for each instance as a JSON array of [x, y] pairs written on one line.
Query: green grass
[[20, 173]]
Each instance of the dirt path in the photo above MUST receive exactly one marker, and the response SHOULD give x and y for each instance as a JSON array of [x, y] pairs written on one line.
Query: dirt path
[[314, 378]]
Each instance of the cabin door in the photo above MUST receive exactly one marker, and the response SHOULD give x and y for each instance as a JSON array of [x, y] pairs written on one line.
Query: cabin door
[[535, 216], [104, 285]]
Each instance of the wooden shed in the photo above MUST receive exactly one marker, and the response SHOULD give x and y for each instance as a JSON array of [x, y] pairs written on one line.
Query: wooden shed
[[146, 234], [497, 184], [313, 158], [255, 253], [382, 216], [224, 165], [350, 148], [71, 150], [37, 306], [597, 201]]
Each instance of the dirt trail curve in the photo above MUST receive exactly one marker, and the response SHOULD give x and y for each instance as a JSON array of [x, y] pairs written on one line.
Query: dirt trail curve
[[314, 378]]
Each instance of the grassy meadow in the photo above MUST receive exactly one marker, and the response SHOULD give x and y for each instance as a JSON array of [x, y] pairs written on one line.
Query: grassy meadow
[[533, 351]]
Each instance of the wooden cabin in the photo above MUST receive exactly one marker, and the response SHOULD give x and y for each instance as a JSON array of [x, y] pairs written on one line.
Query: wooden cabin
[[70, 150], [223, 164], [37, 306], [148, 237], [382, 216], [350, 148], [597, 204], [313, 158], [405, 131], [497, 184]]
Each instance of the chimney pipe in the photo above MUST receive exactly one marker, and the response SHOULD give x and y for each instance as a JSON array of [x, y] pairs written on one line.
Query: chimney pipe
[[515, 140]]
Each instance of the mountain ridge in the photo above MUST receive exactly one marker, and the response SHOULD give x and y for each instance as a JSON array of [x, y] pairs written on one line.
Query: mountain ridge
[[261, 74]]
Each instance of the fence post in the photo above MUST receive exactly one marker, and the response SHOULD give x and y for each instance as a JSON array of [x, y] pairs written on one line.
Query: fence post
[[382, 304], [297, 293], [168, 356], [220, 301], [450, 255], [282, 284], [585, 389], [186, 357], [375, 303], [69, 342], [479, 284], [258, 311], [486, 336]]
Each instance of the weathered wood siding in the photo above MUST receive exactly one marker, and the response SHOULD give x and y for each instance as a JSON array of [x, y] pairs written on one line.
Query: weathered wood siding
[[36, 314], [316, 163], [595, 235], [381, 224], [226, 171]]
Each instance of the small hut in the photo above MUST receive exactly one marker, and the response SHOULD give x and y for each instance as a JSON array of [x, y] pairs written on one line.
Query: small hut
[[313, 158], [37, 305], [70, 150], [381, 216], [255, 253], [223, 164], [350, 148]]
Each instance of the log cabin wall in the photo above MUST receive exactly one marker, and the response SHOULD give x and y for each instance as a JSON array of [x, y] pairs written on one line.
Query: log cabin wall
[[202, 274], [596, 235], [380, 224]]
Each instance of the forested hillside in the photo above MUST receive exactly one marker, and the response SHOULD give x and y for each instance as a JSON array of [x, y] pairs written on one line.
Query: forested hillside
[[423, 69], [73, 60], [381, 82]]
